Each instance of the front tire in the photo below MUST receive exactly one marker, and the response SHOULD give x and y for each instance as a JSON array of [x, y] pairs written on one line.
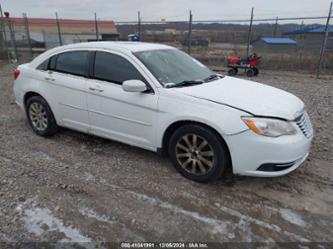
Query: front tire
[[198, 153], [40, 117]]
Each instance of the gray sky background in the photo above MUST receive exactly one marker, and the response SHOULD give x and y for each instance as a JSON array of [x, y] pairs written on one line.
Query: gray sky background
[[126, 10]]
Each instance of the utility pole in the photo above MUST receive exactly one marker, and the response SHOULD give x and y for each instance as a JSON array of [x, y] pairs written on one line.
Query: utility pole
[[59, 31], [26, 24], [189, 39], [276, 26], [323, 47], [249, 35], [96, 27], [139, 25]]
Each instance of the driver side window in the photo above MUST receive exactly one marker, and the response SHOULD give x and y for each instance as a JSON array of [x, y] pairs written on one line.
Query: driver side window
[[114, 68]]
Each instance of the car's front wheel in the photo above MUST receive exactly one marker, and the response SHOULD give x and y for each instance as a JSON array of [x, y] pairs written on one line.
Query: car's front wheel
[[40, 116], [198, 153]]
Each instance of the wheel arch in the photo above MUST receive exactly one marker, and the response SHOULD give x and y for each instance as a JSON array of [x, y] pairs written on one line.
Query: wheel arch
[[30, 94], [177, 124]]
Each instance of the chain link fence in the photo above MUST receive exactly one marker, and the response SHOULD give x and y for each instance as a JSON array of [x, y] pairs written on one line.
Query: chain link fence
[[295, 43]]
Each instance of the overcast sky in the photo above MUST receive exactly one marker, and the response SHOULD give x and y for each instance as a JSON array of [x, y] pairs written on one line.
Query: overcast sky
[[126, 10]]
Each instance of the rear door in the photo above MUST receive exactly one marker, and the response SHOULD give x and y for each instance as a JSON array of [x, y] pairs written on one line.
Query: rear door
[[67, 77]]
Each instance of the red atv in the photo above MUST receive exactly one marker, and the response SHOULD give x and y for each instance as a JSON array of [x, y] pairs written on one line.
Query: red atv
[[248, 63]]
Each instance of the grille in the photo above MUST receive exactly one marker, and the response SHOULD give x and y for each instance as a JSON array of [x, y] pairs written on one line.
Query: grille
[[304, 123]]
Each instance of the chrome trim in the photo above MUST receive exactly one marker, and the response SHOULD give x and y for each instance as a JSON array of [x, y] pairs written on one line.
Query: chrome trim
[[304, 124]]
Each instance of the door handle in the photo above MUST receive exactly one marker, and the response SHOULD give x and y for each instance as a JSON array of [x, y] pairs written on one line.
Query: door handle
[[49, 79], [95, 89]]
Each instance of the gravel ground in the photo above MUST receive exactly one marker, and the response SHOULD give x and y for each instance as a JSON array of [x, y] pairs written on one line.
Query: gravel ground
[[75, 187]]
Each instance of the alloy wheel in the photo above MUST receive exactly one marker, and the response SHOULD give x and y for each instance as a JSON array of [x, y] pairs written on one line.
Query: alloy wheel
[[195, 154], [38, 116]]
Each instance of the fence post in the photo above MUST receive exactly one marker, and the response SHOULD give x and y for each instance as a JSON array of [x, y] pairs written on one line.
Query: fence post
[[12, 38], [96, 27], [249, 35], [190, 33], [2, 40], [26, 25], [59, 31], [276, 26], [139, 25], [44, 38], [4, 35], [323, 47]]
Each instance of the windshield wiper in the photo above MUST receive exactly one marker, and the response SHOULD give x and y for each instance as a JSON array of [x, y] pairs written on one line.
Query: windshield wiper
[[184, 83], [212, 77]]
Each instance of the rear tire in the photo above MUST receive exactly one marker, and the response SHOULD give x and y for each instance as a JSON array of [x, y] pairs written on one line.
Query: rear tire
[[250, 72], [232, 71], [198, 153], [256, 71], [40, 117]]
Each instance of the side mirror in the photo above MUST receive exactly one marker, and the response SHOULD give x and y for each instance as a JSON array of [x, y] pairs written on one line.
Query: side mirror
[[134, 86]]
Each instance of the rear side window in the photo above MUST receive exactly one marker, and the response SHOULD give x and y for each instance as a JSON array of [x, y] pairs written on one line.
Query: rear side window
[[70, 62], [52, 63], [44, 66], [114, 68]]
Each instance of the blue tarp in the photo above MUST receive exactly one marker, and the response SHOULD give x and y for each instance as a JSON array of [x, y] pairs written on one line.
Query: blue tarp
[[272, 40]]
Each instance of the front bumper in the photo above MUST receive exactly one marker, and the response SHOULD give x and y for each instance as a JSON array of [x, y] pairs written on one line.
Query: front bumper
[[250, 151]]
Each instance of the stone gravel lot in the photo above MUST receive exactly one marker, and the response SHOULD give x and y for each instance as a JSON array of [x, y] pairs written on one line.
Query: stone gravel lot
[[76, 187]]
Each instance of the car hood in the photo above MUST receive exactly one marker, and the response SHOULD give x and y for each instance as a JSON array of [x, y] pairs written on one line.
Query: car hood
[[252, 97]]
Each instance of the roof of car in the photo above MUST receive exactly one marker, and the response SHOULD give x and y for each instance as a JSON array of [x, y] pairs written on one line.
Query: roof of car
[[119, 45]]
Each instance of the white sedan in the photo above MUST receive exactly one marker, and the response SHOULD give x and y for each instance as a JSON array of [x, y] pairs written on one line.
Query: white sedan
[[161, 99]]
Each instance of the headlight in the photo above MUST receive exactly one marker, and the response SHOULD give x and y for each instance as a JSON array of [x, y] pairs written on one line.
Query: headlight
[[269, 127]]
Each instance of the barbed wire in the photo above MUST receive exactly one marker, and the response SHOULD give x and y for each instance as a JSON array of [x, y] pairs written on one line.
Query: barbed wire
[[228, 20]]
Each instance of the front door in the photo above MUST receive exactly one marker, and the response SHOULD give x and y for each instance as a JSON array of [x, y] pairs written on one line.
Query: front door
[[116, 114], [124, 116]]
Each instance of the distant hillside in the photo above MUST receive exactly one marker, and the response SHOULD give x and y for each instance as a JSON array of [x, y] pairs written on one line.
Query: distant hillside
[[262, 29]]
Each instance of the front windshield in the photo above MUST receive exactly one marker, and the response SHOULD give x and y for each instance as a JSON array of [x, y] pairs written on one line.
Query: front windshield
[[173, 66]]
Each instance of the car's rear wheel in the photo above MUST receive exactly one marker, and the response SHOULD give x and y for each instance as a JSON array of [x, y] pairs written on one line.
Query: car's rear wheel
[[198, 153], [40, 116]]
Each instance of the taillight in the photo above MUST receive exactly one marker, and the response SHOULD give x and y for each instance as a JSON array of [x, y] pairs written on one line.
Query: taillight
[[16, 74]]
